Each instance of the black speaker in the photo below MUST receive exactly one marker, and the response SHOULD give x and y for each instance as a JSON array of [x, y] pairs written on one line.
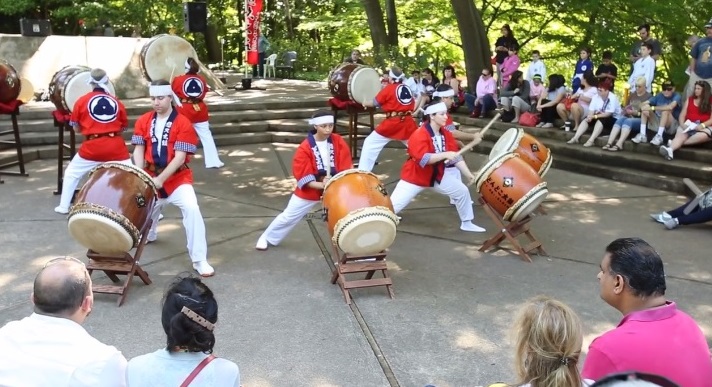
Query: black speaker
[[195, 16], [35, 27]]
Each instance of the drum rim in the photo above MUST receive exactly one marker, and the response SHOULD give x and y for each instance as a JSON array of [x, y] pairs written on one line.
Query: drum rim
[[510, 147], [490, 166], [514, 212], [357, 69], [348, 172], [143, 175], [361, 213], [53, 83], [544, 168], [107, 213]]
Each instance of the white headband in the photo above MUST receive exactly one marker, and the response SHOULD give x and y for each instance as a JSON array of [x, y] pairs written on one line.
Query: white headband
[[443, 94], [437, 108], [186, 66], [100, 83], [322, 120], [396, 77], [163, 91]]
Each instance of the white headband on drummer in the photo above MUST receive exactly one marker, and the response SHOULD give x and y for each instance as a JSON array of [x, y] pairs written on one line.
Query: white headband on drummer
[[103, 82], [322, 120], [163, 91], [444, 94], [437, 108], [395, 77]]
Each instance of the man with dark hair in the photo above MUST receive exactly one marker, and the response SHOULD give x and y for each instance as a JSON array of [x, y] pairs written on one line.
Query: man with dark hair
[[653, 336], [644, 33], [355, 57], [50, 347]]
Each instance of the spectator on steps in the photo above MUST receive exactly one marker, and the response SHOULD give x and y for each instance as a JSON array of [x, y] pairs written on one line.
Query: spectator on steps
[[695, 120]]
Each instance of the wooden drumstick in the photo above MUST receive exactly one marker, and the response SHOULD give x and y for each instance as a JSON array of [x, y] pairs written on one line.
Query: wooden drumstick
[[474, 142]]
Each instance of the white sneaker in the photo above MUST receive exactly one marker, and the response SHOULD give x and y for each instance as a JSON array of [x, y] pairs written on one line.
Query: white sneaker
[[469, 226], [262, 244], [666, 152], [160, 216], [204, 269], [671, 223], [661, 217], [657, 140], [219, 165], [548, 125], [640, 138], [61, 210]]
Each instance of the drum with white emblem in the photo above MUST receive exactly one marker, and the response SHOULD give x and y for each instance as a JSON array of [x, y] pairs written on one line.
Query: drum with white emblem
[[70, 83], [353, 82]]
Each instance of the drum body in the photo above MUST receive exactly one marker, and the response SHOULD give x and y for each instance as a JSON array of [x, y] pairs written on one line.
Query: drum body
[[164, 56], [359, 213], [9, 82], [111, 208], [511, 186], [354, 82], [533, 152]]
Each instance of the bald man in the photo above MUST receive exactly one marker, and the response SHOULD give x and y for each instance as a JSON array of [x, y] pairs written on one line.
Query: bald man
[[50, 347]]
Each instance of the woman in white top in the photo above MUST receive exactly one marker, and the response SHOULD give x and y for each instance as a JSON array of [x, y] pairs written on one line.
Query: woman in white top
[[189, 315], [604, 110], [582, 99]]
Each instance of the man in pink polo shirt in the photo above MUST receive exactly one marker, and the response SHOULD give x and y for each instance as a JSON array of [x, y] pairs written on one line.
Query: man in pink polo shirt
[[654, 336]]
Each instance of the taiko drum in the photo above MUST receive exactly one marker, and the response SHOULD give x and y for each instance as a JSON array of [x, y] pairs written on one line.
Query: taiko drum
[[354, 82], [531, 150], [9, 82]]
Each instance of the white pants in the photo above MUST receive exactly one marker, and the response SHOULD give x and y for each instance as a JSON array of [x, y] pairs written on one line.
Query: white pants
[[450, 185], [77, 168], [184, 198], [372, 147], [280, 227], [516, 102], [210, 151]]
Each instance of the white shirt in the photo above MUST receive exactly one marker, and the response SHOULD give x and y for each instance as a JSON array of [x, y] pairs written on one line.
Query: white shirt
[[537, 67], [600, 106], [166, 369], [160, 129], [415, 87], [588, 93], [42, 350], [643, 67], [323, 147]]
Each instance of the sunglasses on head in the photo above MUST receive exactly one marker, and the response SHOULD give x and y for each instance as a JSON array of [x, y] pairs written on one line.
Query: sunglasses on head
[[59, 259], [628, 376]]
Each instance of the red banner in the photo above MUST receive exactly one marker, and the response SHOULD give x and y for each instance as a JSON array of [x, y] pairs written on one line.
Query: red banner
[[253, 9]]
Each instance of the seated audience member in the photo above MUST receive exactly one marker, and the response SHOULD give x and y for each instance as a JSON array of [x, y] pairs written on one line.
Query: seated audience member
[[603, 112], [355, 58], [607, 70], [450, 79], [516, 95], [189, 315], [483, 102], [555, 93], [548, 343], [653, 336], [50, 347], [630, 117], [581, 100], [634, 379], [664, 110], [695, 120], [700, 212], [536, 88], [430, 82], [415, 83]]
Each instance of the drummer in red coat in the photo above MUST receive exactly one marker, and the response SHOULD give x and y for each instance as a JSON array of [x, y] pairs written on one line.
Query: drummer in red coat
[[320, 152], [100, 118], [397, 101], [164, 141], [191, 89], [433, 160]]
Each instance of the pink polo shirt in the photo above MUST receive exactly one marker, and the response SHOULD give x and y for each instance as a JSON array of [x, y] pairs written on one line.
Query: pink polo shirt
[[662, 341]]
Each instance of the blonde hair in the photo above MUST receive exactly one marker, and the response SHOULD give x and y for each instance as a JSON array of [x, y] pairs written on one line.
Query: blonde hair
[[548, 344], [641, 81]]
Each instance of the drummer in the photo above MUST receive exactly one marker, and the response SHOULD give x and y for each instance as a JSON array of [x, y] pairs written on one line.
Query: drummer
[[432, 164], [191, 89], [445, 93], [397, 101], [101, 118], [320, 156], [164, 141]]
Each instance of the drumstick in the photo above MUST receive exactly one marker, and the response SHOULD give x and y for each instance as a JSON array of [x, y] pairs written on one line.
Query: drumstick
[[477, 141]]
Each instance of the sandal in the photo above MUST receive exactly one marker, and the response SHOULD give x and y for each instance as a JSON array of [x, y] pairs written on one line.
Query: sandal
[[607, 147], [614, 148]]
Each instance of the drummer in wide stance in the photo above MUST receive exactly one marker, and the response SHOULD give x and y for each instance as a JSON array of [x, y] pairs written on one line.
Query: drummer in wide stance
[[432, 164], [100, 118], [398, 102], [164, 141], [191, 89], [320, 156]]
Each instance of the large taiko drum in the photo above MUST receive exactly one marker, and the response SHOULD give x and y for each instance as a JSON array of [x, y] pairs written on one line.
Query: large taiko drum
[[164, 56], [359, 213], [353, 82], [112, 207], [9, 82], [531, 150], [511, 186], [70, 83], [27, 91]]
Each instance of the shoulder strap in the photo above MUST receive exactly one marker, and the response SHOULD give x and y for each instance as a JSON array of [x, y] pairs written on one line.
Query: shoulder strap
[[197, 370]]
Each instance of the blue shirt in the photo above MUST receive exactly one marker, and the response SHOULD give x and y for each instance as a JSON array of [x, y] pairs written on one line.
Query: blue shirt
[[661, 100], [702, 53]]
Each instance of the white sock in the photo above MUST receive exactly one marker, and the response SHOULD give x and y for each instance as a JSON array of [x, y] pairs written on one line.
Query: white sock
[[643, 128], [661, 130]]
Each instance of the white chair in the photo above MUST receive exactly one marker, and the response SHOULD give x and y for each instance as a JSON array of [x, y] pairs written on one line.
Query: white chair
[[269, 64]]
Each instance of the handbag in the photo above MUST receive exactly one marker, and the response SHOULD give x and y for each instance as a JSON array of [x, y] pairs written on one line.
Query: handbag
[[568, 102], [528, 119]]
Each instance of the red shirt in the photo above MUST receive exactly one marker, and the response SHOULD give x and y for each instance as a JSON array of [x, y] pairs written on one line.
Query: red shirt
[[304, 166], [693, 112], [97, 113], [396, 97], [181, 137], [191, 89], [420, 148]]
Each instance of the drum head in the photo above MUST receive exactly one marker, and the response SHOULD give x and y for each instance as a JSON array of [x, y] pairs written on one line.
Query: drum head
[[99, 233], [27, 91], [164, 57], [507, 143], [364, 84], [77, 86], [366, 231]]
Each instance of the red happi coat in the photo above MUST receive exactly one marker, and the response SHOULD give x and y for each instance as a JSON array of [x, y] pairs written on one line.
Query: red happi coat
[[396, 97], [100, 113], [304, 165], [191, 90], [420, 147]]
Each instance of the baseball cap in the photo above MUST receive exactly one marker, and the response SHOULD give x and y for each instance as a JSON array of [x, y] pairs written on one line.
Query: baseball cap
[[668, 85], [709, 24], [537, 76]]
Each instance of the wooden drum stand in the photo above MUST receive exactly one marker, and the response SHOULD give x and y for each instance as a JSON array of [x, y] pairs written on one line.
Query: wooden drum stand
[[369, 264], [354, 110], [61, 122], [13, 110], [511, 232]]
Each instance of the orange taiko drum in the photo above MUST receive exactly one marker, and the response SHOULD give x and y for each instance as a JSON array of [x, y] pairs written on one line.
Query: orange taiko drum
[[511, 186], [359, 213], [9, 82], [354, 82], [112, 207], [531, 150]]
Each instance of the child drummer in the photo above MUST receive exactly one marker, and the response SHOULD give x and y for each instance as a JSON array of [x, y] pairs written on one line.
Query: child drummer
[[433, 163], [320, 156]]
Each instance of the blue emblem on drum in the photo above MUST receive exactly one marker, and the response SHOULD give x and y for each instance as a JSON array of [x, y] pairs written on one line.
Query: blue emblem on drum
[[192, 87], [404, 95], [103, 108]]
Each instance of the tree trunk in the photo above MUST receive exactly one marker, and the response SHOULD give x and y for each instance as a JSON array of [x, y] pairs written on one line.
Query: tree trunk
[[475, 45], [379, 37], [288, 19], [212, 44], [392, 21]]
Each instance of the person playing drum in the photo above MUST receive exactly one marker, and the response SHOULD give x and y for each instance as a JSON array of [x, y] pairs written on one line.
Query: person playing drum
[[432, 162], [164, 141], [397, 102], [191, 89], [446, 94], [101, 118], [320, 156]]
